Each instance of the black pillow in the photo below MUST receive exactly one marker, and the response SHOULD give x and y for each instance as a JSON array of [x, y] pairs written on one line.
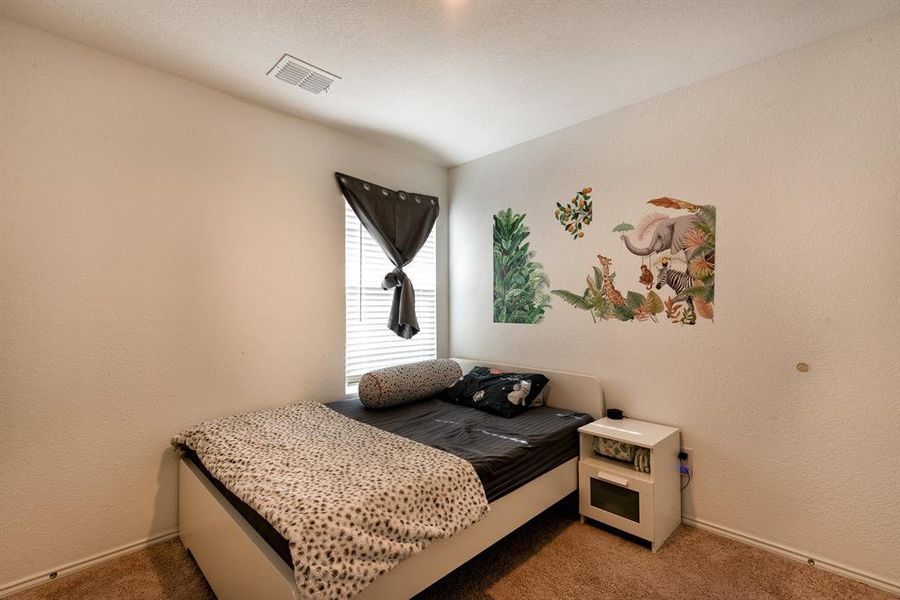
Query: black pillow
[[504, 394]]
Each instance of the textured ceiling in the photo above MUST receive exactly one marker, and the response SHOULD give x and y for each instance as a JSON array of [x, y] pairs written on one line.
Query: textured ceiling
[[449, 81]]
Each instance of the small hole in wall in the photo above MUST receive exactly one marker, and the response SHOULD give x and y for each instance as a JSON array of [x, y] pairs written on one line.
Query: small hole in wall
[[810, 561], [52, 575]]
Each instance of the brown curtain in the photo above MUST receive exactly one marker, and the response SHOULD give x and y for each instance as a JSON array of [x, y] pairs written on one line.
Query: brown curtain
[[400, 222]]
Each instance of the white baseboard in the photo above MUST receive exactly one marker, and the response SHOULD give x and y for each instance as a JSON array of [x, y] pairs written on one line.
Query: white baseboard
[[7, 589], [793, 554]]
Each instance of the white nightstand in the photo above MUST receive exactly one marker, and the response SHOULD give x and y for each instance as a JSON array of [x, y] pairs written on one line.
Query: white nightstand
[[647, 505]]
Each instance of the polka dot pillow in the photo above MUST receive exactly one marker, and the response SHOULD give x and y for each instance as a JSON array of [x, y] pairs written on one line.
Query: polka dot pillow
[[402, 384]]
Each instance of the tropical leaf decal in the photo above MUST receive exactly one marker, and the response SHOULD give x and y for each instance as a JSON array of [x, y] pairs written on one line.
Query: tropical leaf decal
[[704, 308], [708, 214], [701, 249], [694, 239], [593, 299], [520, 284], [647, 223], [623, 313], [634, 300], [623, 227], [701, 268], [590, 301], [706, 292], [666, 202], [673, 310], [653, 304], [575, 300]]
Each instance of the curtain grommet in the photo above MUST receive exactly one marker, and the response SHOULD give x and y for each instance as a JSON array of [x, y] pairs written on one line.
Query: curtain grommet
[[384, 192], [402, 196], [367, 187]]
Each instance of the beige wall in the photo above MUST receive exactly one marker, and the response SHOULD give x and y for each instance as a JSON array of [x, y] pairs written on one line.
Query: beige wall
[[801, 155], [168, 254]]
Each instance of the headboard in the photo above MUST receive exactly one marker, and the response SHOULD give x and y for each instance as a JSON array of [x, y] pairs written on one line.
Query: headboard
[[576, 392]]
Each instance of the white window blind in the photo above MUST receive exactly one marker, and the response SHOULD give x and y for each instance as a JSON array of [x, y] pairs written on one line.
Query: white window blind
[[370, 344]]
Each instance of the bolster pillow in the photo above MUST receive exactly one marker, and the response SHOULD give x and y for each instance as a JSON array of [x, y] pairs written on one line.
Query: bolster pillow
[[407, 383]]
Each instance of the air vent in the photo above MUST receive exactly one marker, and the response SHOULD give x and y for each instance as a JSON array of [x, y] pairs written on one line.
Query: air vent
[[309, 77]]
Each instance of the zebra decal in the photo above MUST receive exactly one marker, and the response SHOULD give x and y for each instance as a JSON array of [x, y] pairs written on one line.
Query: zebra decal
[[678, 281]]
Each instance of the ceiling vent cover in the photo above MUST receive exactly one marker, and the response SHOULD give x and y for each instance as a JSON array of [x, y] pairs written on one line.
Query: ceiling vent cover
[[294, 71]]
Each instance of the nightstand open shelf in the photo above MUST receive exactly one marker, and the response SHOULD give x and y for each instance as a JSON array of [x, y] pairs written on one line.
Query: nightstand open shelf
[[647, 505]]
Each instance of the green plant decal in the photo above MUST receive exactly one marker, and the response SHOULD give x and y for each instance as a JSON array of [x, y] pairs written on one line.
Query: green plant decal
[[576, 214], [701, 245], [520, 284], [592, 300]]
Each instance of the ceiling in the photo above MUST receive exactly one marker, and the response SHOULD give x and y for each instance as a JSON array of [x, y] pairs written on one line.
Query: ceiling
[[452, 80]]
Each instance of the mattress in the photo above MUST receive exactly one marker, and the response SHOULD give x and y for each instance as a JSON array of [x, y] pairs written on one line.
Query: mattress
[[506, 453]]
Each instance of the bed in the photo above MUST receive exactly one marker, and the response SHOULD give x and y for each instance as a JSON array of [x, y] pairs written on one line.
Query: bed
[[242, 556]]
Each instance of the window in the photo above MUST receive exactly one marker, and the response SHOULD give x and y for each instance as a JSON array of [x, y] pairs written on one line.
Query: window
[[370, 344]]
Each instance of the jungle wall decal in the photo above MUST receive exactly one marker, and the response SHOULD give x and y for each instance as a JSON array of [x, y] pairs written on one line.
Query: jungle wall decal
[[576, 214], [520, 284], [682, 249]]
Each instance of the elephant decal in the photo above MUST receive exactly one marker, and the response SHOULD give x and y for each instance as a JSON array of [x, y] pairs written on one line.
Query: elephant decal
[[668, 235]]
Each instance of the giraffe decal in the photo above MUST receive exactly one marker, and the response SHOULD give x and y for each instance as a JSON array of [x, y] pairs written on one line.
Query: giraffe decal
[[680, 245], [612, 294]]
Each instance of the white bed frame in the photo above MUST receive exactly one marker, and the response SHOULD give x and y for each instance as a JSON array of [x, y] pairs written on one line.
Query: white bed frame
[[239, 564]]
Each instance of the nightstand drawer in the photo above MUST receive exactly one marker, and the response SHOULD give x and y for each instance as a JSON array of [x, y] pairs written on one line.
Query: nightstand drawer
[[616, 499], [637, 482]]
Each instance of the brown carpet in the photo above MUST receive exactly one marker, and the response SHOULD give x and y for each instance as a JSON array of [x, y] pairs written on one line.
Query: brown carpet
[[553, 557], [164, 570]]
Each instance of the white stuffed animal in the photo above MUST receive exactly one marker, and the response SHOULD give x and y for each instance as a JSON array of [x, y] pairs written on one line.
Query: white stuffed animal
[[520, 392]]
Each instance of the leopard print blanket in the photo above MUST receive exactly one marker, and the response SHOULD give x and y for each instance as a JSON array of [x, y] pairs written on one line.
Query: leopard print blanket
[[352, 500]]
